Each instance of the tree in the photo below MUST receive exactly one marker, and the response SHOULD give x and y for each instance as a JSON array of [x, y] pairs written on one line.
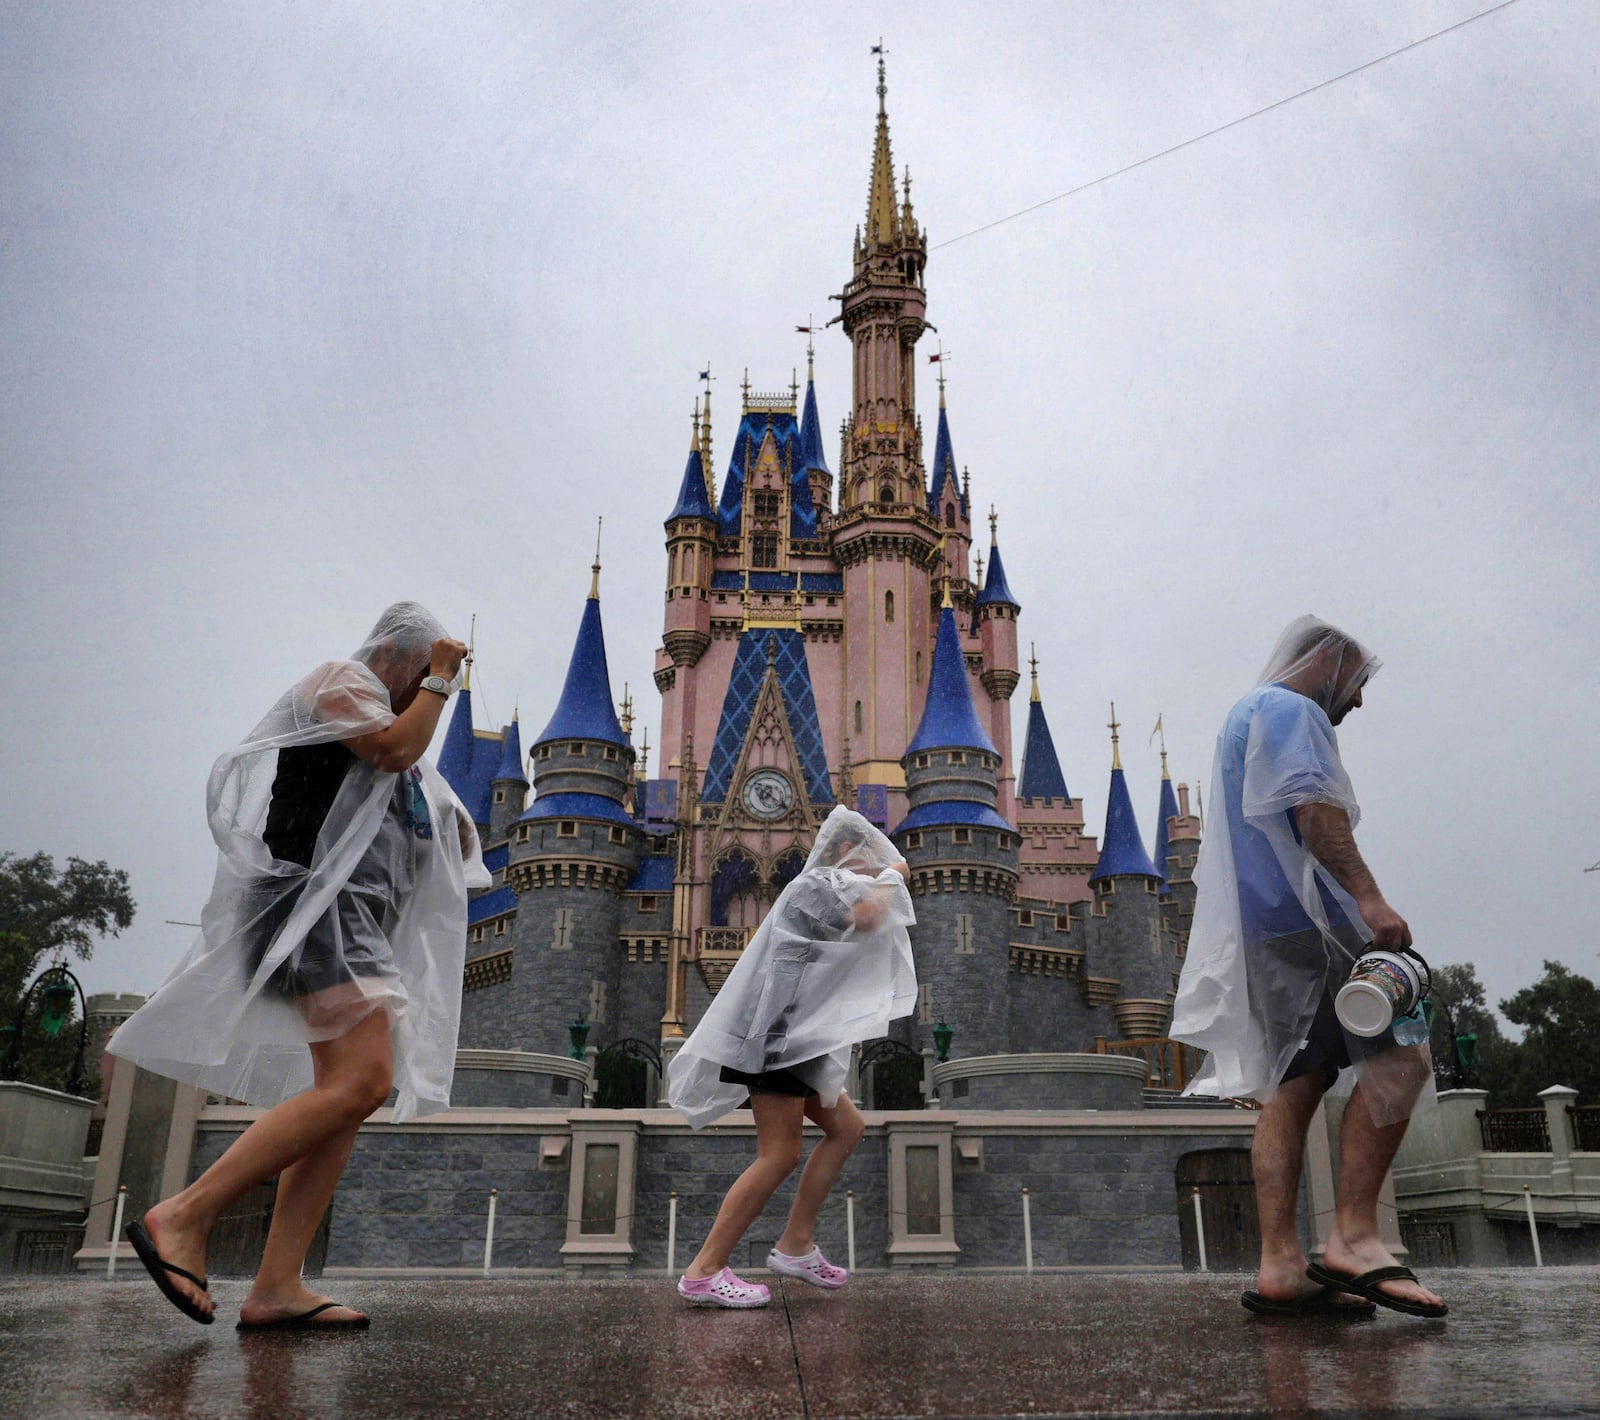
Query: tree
[[46, 915], [1560, 1016]]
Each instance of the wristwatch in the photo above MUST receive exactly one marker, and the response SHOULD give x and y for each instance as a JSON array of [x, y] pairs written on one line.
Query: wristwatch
[[437, 684]]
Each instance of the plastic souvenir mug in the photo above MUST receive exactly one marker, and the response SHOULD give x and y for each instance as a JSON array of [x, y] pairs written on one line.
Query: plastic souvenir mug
[[1383, 986]]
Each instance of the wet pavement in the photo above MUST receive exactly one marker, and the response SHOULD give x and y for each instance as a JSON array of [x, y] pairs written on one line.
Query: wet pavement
[[1518, 1343]]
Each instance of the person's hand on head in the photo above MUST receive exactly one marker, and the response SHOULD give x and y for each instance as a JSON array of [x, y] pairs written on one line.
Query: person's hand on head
[[446, 657]]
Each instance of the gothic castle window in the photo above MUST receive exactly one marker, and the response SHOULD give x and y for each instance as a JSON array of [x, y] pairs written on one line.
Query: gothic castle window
[[888, 606], [764, 551], [568, 828], [858, 717], [766, 505]]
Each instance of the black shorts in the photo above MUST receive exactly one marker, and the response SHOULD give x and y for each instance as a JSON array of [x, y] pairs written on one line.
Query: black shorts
[[345, 943], [1327, 1050], [768, 1082]]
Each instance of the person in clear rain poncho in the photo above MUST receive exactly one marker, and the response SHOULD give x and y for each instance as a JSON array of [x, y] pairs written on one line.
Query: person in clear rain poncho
[[830, 966], [1284, 906], [329, 961]]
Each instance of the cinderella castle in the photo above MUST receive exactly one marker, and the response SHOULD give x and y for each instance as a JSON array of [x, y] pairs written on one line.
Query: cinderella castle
[[828, 638]]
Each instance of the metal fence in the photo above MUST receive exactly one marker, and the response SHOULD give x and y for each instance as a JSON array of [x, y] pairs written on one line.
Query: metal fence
[[1515, 1131], [1585, 1127]]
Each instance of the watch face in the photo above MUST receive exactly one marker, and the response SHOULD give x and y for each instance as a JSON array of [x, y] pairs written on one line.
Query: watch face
[[767, 794]]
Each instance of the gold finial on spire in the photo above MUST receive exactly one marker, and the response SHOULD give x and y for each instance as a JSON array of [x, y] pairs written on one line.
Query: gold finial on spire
[[644, 756], [627, 711], [472, 641], [1033, 666], [705, 438], [994, 527], [939, 360], [1114, 726], [594, 585], [883, 218], [694, 425], [1159, 730]]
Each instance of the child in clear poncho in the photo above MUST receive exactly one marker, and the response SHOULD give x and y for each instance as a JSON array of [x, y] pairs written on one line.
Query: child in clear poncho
[[329, 962], [830, 966]]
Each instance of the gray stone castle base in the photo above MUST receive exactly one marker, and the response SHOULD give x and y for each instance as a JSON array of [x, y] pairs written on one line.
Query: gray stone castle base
[[591, 1190]]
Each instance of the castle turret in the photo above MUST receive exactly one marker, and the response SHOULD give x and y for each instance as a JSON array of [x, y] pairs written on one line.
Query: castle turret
[[1183, 852], [1056, 857], [813, 459], [947, 501], [884, 536], [963, 859], [508, 790], [469, 760], [997, 610], [1131, 948], [571, 854], [691, 548]]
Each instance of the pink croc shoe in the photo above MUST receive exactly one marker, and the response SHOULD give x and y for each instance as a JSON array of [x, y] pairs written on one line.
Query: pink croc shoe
[[722, 1289], [813, 1268]]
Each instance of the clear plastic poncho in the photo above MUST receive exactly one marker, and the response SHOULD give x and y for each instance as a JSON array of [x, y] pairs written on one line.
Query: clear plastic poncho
[[1273, 934], [830, 965], [375, 920]]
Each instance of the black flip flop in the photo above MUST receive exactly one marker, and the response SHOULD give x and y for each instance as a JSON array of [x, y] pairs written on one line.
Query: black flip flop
[[304, 1322], [1367, 1285], [1319, 1303], [158, 1267]]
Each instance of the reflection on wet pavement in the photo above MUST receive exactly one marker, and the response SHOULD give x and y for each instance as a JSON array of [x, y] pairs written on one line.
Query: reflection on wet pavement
[[944, 1344]]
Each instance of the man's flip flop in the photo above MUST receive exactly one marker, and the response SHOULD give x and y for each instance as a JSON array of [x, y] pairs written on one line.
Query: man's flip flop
[[158, 1268], [1367, 1285], [304, 1322], [1318, 1303]]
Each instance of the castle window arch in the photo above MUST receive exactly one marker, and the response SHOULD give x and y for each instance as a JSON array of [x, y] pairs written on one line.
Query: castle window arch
[[858, 717], [886, 493], [949, 515], [888, 606], [738, 896]]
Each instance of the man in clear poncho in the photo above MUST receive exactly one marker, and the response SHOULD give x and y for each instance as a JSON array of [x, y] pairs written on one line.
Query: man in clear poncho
[[830, 966], [1284, 907], [329, 961]]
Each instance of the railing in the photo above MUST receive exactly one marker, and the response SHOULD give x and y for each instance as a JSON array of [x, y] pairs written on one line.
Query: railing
[[1515, 1131], [1170, 1063], [1585, 1127], [723, 939]]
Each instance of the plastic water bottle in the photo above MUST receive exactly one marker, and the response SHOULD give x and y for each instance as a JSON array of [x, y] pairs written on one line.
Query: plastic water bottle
[[1411, 1028]]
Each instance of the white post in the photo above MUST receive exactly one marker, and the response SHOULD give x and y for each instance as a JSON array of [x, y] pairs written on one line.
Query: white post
[[672, 1233], [1027, 1232], [116, 1231], [488, 1232], [1200, 1229], [850, 1226], [1533, 1226]]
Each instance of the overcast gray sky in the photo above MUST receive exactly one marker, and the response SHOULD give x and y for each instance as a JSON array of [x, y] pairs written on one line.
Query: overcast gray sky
[[308, 308]]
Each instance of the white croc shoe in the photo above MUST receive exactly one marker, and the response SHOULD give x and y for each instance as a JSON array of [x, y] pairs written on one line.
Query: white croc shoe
[[813, 1268]]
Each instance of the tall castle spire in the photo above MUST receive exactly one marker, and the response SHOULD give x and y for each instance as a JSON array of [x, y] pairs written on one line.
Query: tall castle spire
[[883, 217]]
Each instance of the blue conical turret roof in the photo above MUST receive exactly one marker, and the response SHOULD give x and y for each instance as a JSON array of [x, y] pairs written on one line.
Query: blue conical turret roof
[[948, 718], [995, 587], [1168, 808], [944, 460], [1041, 776], [585, 711], [455, 755], [692, 501], [1122, 849], [811, 454], [510, 766]]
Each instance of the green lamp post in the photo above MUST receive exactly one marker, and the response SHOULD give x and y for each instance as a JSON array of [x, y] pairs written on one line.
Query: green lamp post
[[578, 1033], [942, 1036]]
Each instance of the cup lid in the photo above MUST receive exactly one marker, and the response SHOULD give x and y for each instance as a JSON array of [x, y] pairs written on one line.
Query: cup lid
[[1363, 1008]]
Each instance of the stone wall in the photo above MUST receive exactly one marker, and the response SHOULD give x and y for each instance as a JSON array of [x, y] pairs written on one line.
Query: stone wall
[[1102, 1185]]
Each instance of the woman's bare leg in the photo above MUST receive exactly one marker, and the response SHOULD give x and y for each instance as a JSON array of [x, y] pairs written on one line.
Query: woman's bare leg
[[352, 1077], [305, 1189], [842, 1128], [779, 1119]]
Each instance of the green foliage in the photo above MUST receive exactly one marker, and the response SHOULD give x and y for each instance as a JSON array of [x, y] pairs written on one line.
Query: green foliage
[[1560, 1016], [46, 915], [1461, 1007]]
